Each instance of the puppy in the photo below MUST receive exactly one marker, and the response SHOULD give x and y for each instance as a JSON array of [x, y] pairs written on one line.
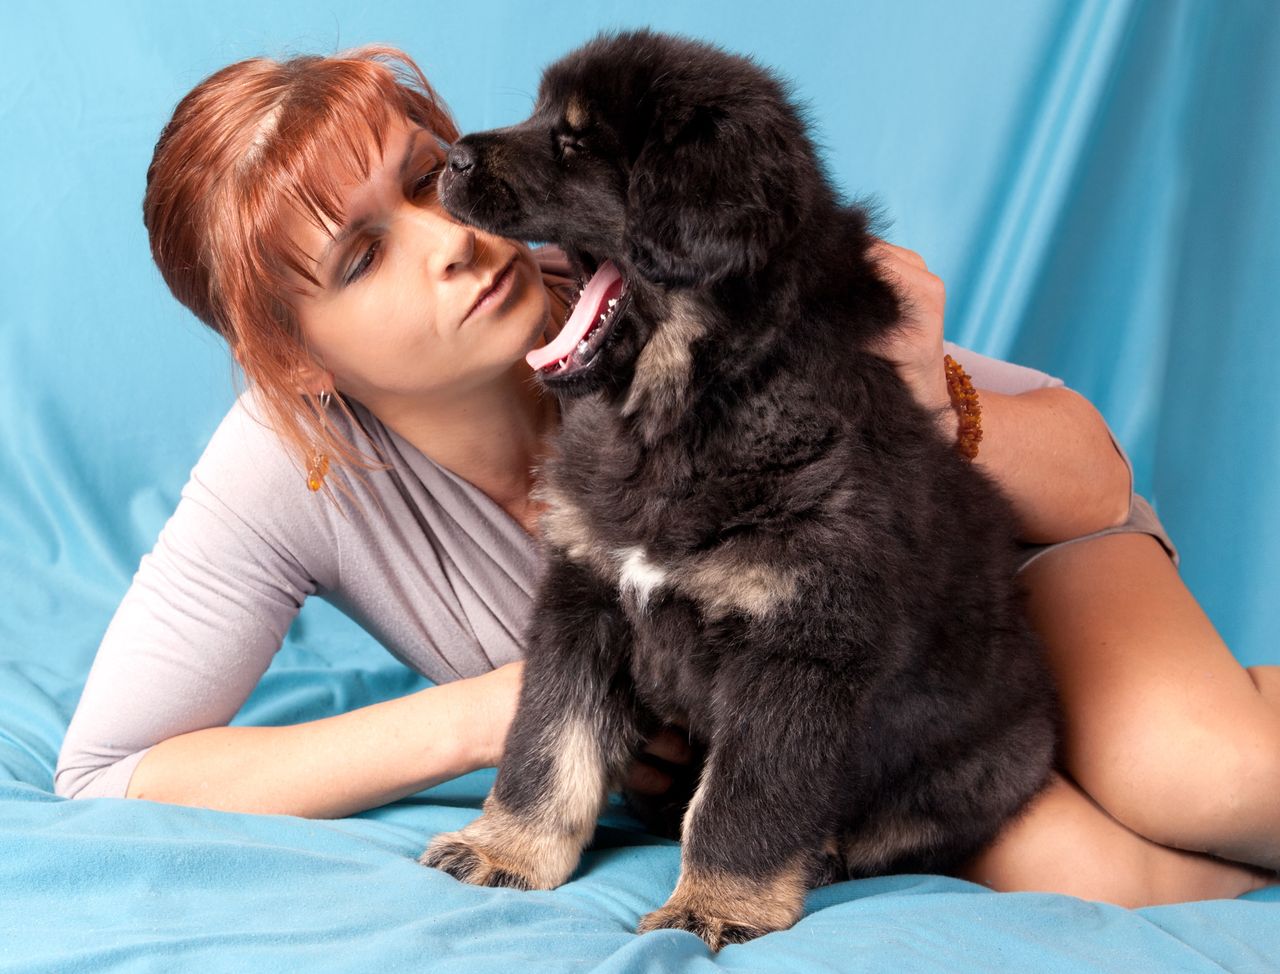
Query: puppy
[[753, 527]]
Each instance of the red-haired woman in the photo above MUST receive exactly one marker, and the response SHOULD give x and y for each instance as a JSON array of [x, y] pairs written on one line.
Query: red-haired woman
[[383, 455]]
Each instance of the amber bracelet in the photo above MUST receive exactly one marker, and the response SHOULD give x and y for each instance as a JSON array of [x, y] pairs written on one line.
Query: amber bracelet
[[964, 399]]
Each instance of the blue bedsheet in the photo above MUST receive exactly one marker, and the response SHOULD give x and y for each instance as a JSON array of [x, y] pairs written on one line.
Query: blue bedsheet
[[108, 884], [1096, 182]]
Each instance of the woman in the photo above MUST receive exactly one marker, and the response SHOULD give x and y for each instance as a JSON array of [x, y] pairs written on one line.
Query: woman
[[383, 458]]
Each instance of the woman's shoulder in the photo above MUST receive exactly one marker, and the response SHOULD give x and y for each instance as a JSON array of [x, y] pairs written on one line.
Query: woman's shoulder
[[246, 449], [557, 272], [245, 457], [251, 482]]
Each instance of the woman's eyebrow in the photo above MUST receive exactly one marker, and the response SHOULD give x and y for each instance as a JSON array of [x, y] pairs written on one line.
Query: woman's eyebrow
[[408, 152], [361, 223]]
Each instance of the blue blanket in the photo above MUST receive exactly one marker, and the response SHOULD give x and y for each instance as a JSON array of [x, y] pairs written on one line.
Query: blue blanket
[[1095, 181], [108, 884]]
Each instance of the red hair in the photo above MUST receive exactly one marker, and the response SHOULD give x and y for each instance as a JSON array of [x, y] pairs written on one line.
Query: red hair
[[246, 149]]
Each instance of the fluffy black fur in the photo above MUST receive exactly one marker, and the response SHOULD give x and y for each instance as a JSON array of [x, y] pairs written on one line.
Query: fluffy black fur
[[887, 708]]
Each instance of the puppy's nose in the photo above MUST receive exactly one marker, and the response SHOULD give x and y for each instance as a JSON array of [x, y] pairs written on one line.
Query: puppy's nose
[[462, 158]]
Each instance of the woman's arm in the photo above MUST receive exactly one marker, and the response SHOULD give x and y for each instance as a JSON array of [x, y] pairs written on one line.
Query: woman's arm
[[1050, 451], [338, 765], [204, 616], [1049, 448]]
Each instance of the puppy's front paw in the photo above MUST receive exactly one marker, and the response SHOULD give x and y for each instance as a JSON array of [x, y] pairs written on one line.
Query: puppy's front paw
[[501, 848], [716, 931], [467, 861], [724, 908]]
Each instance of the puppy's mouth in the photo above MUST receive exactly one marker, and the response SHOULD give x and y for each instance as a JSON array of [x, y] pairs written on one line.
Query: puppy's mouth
[[578, 345]]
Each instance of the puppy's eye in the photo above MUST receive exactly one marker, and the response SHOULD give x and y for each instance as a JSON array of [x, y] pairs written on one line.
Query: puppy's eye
[[567, 144]]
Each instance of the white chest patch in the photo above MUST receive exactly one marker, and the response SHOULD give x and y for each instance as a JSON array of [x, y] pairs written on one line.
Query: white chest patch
[[637, 575]]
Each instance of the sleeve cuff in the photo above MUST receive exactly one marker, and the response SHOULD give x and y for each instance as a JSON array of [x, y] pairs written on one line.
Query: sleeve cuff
[[1128, 465]]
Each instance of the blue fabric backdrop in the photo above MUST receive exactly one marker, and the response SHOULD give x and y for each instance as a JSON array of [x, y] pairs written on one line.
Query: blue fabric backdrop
[[1097, 181]]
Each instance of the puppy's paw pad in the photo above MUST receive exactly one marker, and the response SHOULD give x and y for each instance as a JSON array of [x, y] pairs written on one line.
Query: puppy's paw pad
[[716, 931], [469, 863]]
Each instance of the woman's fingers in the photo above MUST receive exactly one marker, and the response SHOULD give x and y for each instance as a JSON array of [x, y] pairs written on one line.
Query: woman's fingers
[[915, 347], [669, 745], [923, 292], [645, 779], [883, 250], [910, 269]]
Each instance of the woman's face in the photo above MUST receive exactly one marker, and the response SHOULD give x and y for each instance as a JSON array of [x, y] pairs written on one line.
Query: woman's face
[[413, 304]]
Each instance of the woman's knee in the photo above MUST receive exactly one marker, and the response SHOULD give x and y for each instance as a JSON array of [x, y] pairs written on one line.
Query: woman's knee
[[1066, 843], [1164, 728], [1201, 781]]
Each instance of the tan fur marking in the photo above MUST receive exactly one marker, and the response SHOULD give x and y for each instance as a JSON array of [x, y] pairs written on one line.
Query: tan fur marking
[[579, 780], [875, 848], [722, 583], [542, 848], [565, 526], [718, 900], [509, 843], [662, 370], [721, 900], [575, 113], [686, 824]]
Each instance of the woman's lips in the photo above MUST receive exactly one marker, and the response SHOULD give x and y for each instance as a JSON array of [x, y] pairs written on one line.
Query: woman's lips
[[494, 295]]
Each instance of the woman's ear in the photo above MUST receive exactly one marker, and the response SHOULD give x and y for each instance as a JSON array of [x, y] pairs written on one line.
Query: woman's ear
[[310, 379]]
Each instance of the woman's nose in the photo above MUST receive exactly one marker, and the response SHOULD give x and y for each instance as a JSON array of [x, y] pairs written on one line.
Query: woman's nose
[[455, 248]]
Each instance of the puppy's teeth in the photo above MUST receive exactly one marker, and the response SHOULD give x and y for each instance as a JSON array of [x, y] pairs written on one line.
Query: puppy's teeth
[[582, 345], [612, 302]]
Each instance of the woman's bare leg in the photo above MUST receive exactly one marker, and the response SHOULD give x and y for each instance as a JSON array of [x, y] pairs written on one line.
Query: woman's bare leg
[[1164, 729], [1065, 843]]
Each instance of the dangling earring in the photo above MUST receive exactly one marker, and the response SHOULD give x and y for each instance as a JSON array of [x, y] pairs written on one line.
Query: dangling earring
[[319, 461]]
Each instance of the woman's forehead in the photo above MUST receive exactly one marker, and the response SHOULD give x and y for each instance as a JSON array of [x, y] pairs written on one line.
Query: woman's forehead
[[402, 142]]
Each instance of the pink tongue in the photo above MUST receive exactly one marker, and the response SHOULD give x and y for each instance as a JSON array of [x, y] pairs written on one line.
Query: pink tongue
[[584, 314]]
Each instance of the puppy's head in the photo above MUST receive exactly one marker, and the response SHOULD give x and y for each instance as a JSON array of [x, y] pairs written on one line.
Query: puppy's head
[[658, 164]]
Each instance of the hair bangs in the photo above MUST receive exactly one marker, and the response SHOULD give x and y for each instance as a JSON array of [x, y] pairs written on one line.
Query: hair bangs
[[328, 137]]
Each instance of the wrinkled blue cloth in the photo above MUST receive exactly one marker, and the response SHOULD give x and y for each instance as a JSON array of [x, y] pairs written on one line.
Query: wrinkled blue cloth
[[1095, 180]]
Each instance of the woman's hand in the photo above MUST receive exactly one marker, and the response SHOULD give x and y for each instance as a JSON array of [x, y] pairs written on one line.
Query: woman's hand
[[494, 708], [670, 746], [915, 346]]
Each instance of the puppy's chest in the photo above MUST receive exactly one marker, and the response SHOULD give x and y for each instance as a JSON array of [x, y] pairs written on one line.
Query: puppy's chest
[[649, 553]]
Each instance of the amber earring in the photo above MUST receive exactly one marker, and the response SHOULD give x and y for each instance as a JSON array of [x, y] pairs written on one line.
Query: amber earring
[[319, 461]]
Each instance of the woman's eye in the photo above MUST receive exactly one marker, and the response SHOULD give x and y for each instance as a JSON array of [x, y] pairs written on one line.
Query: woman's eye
[[426, 181], [366, 260]]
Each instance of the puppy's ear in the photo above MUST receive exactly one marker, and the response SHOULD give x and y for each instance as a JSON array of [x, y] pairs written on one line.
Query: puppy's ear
[[710, 197]]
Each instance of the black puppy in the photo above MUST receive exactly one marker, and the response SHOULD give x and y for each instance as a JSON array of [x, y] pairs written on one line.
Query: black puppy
[[753, 527]]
